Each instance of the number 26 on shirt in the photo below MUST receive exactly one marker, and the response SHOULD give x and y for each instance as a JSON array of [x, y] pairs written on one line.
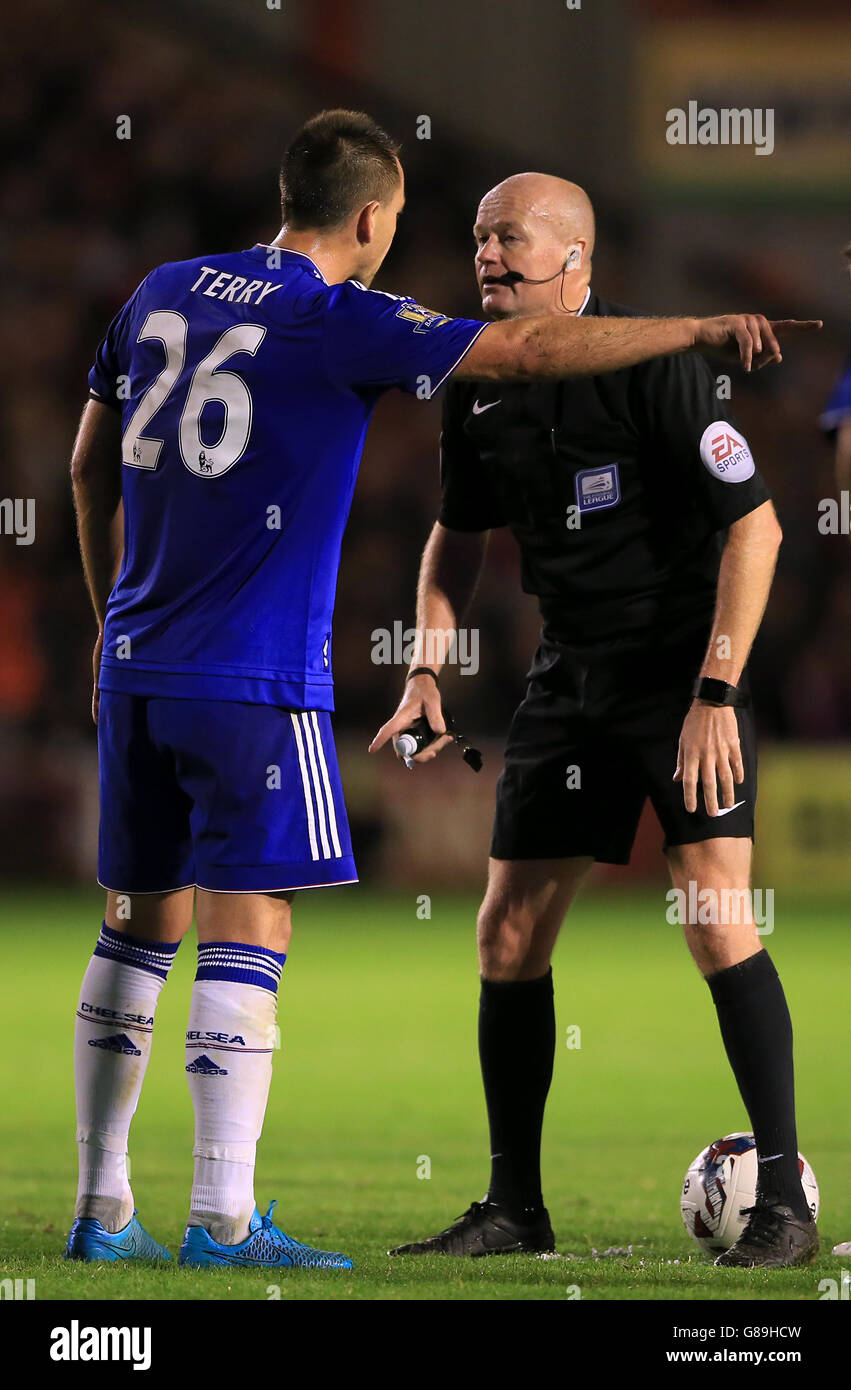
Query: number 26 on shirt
[[208, 384]]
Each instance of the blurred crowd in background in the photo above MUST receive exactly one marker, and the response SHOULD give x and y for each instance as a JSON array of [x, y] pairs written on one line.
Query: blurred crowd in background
[[85, 215]]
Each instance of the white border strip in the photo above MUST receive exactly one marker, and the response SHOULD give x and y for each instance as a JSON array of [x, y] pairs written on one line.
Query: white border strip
[[460, 359]]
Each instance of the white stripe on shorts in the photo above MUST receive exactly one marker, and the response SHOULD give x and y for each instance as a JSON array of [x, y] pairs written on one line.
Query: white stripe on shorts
[[317, 790], [326, 782], [308, 800]]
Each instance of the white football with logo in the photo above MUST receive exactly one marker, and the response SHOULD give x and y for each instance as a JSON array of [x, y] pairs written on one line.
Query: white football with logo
[[720, 1182]]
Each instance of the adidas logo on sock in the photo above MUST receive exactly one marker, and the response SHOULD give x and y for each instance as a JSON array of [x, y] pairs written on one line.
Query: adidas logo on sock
[[206, 1067], [119, 1042]]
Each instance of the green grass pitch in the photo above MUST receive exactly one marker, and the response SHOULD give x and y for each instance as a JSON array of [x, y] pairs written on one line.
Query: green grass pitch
[[378, 1073]]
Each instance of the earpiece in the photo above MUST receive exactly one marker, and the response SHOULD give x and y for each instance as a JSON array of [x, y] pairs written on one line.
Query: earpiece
[[574, 256]]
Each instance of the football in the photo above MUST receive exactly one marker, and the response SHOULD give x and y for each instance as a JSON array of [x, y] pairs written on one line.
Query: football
[[719, 1183]]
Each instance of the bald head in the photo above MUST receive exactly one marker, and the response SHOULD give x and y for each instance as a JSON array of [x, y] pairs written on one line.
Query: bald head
[[536, 224], [556, 205]]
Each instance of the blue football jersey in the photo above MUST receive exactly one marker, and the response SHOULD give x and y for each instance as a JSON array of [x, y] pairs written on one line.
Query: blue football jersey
[[246, 384], [838, 408]]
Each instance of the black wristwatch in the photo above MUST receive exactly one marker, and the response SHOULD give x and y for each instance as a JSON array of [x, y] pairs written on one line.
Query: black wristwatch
[[717, 692]]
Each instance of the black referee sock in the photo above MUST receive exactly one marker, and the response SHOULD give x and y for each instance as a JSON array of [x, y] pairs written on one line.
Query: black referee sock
[[757, 1033], [517, 1039]]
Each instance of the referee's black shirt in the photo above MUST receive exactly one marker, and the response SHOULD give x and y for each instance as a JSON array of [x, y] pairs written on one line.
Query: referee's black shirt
[[618, 488]]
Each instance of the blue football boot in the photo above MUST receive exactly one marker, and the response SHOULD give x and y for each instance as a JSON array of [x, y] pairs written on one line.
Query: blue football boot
[[265, 1247], [89, 1240]]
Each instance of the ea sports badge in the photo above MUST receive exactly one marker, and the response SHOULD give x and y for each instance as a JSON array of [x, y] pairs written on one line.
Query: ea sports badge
[[725, 453]]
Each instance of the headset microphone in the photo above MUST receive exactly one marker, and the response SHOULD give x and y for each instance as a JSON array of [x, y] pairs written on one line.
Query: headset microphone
[[514, 277]]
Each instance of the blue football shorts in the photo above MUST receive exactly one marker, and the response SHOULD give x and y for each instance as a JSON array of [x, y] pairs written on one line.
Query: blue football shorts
[[231, 797]]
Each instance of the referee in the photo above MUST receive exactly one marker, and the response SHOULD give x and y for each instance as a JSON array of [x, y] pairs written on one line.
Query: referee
[[650, 540]]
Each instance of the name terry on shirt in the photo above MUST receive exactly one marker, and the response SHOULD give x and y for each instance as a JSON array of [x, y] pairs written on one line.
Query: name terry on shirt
[[220, 289]]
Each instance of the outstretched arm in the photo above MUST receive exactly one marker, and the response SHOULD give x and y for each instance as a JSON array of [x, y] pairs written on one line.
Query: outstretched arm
[[558, 345]]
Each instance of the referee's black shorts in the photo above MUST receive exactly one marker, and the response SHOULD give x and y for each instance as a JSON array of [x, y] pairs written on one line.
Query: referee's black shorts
[[595, 736]]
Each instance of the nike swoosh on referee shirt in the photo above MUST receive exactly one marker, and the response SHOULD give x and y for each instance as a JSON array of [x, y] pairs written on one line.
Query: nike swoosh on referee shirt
[[725, 811], [480, 409]]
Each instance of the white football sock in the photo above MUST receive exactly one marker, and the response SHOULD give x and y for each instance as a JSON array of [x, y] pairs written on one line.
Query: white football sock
[[229, 1046], [112, 1044]]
